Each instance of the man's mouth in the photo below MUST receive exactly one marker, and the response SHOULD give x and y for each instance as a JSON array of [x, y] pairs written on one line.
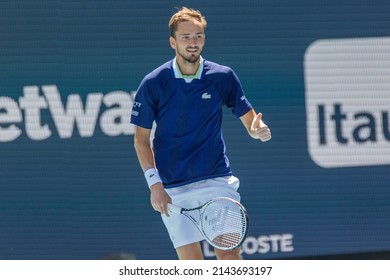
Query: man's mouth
[[192, 50]]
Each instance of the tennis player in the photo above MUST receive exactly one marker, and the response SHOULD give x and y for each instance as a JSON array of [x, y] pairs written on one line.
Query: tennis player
[[187, 164]]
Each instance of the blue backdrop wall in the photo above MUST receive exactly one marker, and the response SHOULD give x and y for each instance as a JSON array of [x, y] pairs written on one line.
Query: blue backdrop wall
[[319, 71]]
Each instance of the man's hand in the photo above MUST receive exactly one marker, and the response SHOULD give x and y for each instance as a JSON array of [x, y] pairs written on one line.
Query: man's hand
[[261, 129], [159, 198]]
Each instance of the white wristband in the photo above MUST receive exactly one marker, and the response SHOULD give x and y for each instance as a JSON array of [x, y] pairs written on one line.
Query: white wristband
[[152, 177]]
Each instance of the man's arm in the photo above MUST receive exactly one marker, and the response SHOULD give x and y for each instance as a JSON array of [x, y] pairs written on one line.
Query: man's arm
[[158, 196], [143, 148], [255, 126]]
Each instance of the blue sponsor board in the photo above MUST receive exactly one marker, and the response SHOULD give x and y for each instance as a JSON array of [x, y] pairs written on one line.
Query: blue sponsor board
[[70, 183]]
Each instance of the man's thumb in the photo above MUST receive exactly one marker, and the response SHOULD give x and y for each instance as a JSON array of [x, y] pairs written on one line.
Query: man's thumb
[[259, 116]]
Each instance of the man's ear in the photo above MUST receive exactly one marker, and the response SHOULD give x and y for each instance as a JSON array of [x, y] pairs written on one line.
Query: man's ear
[[172, 42]]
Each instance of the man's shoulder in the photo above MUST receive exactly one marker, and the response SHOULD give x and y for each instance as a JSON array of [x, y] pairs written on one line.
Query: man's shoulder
[[218, 73], [212, 68], [162, 72]]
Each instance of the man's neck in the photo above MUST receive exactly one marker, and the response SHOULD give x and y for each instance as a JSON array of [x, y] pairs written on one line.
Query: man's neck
[[188, 77], [188, 68]]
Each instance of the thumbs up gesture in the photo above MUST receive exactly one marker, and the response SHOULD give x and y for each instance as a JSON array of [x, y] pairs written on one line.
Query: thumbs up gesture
[[261, 129]]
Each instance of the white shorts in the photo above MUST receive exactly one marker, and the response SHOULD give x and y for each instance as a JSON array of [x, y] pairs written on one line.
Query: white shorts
[[181, 230]]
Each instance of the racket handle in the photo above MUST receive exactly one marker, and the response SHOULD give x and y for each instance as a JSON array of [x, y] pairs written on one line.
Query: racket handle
[[174, 208]]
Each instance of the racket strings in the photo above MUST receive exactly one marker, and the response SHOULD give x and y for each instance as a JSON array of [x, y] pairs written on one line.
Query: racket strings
[[224, 224], [232, 231]]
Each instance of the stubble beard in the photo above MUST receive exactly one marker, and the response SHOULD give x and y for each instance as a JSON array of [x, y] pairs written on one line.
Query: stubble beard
[[190, 58]]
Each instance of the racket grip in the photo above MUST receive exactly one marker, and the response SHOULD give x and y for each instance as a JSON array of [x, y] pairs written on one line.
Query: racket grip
[[174, 208]]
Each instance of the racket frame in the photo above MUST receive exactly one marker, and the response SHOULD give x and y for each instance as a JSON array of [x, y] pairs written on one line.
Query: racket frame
[[179, 210]]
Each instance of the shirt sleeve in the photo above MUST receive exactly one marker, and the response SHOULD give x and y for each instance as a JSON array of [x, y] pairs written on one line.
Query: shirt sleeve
[[236, 99], [144, 107]]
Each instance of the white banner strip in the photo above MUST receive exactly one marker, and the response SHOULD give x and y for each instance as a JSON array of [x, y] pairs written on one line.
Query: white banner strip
[[135, 269]]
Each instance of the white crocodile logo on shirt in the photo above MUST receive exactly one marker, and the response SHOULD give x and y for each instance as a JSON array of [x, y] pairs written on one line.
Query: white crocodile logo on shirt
[[206, 95]]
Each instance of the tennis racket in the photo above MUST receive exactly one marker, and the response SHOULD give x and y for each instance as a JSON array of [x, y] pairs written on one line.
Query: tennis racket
[[222, 221]]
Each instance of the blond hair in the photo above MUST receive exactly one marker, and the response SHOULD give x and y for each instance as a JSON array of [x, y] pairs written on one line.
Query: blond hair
[[185, 14]]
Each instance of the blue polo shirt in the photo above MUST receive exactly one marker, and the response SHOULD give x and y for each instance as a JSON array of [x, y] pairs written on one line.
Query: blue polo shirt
[[188, 144]]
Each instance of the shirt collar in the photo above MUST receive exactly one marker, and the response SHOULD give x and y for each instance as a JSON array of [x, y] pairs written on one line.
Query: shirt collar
[[188, 78]]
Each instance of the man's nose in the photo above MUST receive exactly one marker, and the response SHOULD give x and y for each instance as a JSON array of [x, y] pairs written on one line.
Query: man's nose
[[194, 40]]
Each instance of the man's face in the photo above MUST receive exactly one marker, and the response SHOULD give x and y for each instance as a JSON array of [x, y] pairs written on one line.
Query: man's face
[[189, 41]]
